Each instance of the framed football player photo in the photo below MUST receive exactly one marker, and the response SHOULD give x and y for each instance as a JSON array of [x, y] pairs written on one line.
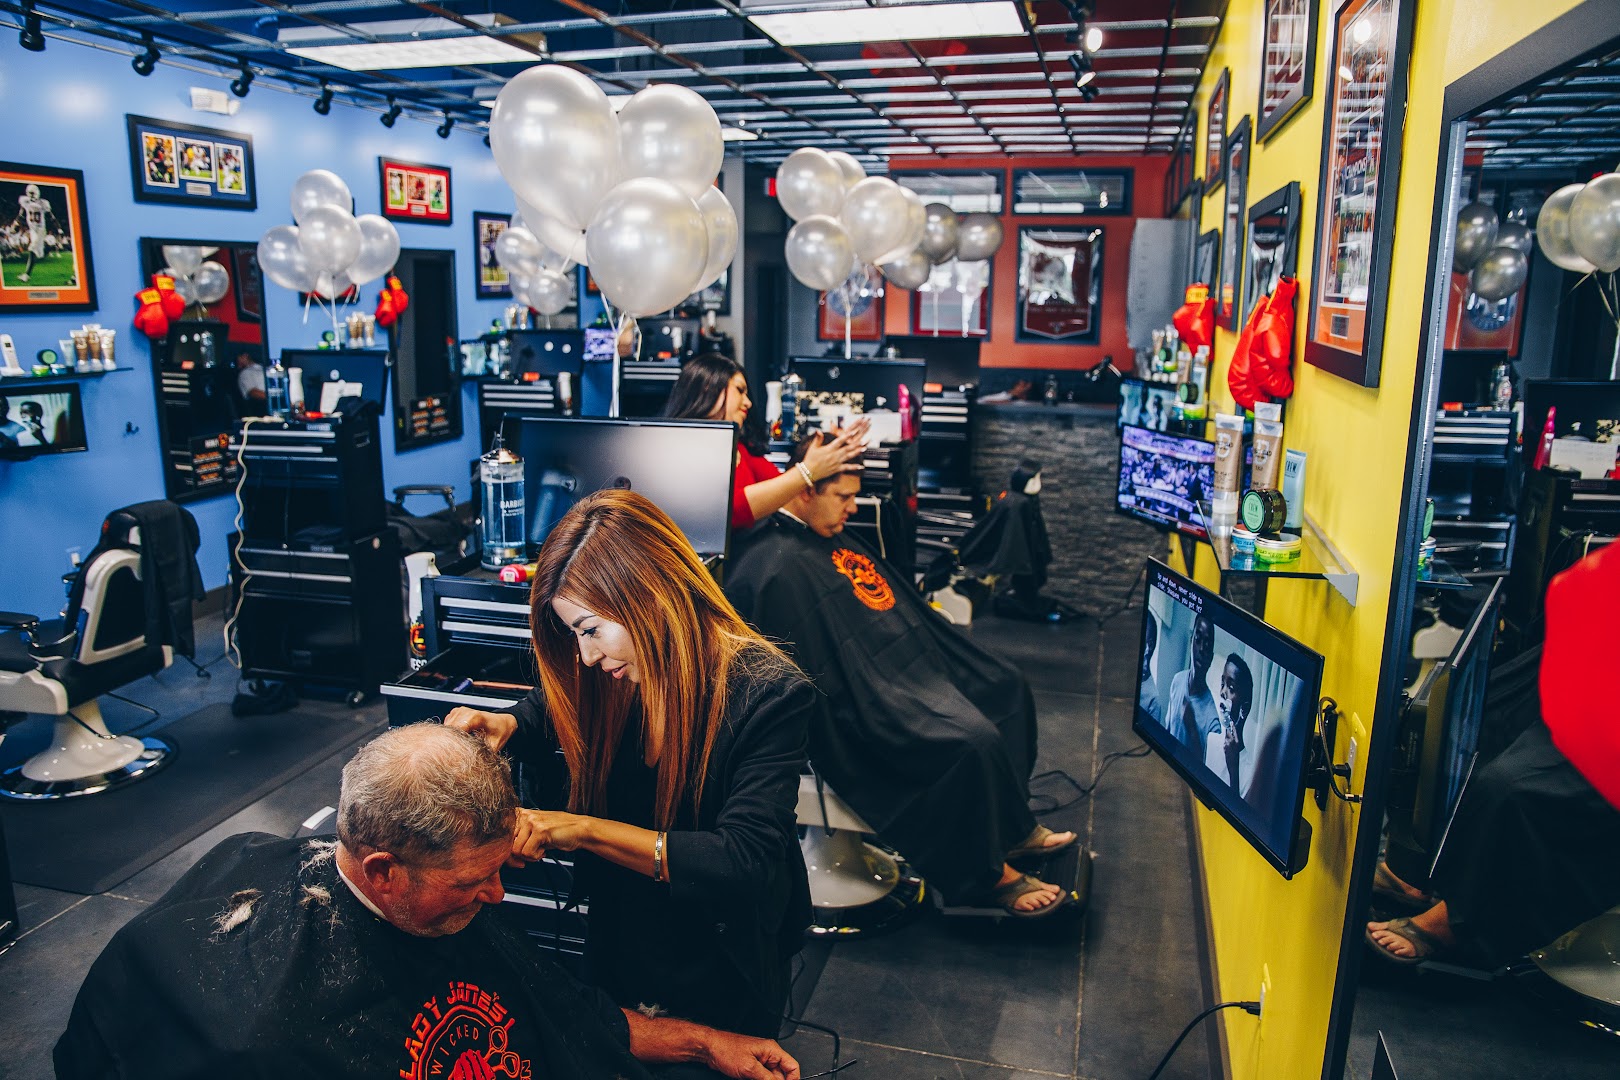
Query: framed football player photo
[[188, 165], [44, 240]]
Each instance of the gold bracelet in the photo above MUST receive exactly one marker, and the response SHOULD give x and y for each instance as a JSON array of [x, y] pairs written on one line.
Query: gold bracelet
[[804, 471], [658, 858]]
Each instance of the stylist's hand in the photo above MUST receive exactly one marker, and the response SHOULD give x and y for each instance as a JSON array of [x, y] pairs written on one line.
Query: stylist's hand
[[539, 830], [494, 728], [746, 1058], [841, 453]]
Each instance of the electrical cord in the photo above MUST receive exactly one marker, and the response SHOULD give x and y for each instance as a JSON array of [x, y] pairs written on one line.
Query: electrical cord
[[788, 1017], [1082, 791], [1250, 1007]]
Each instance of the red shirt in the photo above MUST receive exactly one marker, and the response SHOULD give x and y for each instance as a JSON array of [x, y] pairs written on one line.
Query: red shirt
[[1577, 662], [751, 469]]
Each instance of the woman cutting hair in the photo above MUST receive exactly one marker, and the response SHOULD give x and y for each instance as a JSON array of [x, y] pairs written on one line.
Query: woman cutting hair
[[684, 734], [713, 387]]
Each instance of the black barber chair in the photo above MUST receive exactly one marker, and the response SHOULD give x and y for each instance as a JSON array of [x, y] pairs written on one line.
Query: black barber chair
[[119, 625]]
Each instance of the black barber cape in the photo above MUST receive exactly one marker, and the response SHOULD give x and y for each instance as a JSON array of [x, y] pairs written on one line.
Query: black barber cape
[[927, 736], [312, 984]]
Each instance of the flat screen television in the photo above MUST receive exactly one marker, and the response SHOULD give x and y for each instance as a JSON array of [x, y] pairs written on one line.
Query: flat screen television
[[544, 353], [600, 344], [1163, 477], [1145, 404], [45, 419], [1586, 407], [685, 466], [367, 367], [1230, 704], [952, 361]]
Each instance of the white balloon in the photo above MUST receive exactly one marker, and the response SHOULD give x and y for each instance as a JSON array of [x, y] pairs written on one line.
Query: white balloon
[[564, 244], [1552, 230], [211, 282], [556, 141], [184, 287], [333, 285], [379, 249], [548, 292], [916, 226], [282, 259], [809, 182], [852, 170], [721, 222], [1594, 222], [519, 251], [647, 246], [908, 272], [819, 252], [330, 238], [669, 132], [320, 187], [977, 237], [183, 259], [878, 218]]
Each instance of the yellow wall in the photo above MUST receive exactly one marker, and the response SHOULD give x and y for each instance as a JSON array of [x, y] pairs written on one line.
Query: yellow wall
[[1356, 442]]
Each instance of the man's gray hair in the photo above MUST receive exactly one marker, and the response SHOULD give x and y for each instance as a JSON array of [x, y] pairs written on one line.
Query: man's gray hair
[[417, 792]]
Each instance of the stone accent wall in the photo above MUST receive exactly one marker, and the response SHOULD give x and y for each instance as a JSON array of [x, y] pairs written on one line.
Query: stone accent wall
[[1097, 554]]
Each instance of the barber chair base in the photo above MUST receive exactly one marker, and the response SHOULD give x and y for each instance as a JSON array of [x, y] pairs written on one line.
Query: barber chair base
[[84, 758], [857, 888]]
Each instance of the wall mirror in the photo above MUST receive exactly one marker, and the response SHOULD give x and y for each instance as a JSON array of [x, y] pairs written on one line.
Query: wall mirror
[[422, 347], [1272, 252], [208, 371]]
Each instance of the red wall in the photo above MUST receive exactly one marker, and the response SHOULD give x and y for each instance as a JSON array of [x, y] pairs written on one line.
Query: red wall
[[1002, 349]]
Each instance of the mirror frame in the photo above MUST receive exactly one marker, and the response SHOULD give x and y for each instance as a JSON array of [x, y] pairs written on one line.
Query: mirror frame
[[1285, 200], [453, 424]]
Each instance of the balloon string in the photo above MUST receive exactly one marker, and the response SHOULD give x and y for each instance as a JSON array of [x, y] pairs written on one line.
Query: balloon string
[[309, 298], [848, 349]]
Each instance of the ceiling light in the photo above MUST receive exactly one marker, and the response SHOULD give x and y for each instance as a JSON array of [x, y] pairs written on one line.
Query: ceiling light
[[1346, 74], [240, 84], [323, 104], [736, 134], [421, 43], [896, 22], [392, 114], [147, 59], [1083, 71], [1093, 39], [31, 37], [443, 130]]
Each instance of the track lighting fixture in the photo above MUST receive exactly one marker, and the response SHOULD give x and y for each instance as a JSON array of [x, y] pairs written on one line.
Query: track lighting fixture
[[1088, 92], [1092, 36], [444, 129], [240, 84], [31, 37], [1083, 71], [147, 59], [392, 114], [323, 104]]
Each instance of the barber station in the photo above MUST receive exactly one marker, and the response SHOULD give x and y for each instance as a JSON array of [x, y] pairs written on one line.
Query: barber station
[[1067, 538]]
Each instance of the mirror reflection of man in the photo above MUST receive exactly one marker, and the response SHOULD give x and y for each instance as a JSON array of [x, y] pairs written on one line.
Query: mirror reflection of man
[[1190, 707], [1232, 710], [250, 384]]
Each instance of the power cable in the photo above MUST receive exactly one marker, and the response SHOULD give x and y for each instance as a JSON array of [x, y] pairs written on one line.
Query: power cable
[[1082, 791], [1250, 1007]]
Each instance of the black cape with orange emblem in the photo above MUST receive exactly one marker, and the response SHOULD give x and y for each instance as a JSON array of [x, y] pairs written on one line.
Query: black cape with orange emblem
[[930, 738], [311, 983]]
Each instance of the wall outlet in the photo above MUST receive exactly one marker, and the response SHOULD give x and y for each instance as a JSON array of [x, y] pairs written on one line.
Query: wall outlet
[[1350, 758], [1265, 990]]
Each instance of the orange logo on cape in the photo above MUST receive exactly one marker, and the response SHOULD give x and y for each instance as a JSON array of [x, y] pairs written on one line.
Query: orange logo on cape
[[465, 1038], [870, 588]]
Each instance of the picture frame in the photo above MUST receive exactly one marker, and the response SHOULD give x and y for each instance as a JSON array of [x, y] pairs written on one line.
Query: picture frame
[[493, 281], [865, 323], [54, 271], [188, 165], [1272, 250], [1206, 264], [937, 306], [1288, 68], [1215, 132], [1229, 296], [1060, 285], [415, 192], [1179, 180], [1355, 217], [1072, 192]]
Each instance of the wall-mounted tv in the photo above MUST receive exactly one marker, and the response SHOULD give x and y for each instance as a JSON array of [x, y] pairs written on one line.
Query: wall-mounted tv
[[1146, 404], [36, 420], [1230, 704], [1163, 477]]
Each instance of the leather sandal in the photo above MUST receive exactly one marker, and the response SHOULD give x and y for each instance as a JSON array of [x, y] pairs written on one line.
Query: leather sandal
[[1034, 845], [1006, 896], [1424, 944]]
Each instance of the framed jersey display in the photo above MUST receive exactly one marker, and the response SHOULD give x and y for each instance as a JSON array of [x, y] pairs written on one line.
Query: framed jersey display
[[44, 240], [414, 192], [187, 165]]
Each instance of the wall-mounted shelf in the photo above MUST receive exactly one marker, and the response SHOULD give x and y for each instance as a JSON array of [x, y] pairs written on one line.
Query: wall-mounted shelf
[[22, 380], [1318, 559], [1442, 576]]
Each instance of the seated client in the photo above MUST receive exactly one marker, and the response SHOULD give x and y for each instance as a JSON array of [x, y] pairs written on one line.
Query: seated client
[[928, 737], [369, 957]]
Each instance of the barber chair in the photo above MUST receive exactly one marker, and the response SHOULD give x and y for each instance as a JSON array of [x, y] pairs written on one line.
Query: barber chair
[[1580, 972], [856, 887], [59, 667]]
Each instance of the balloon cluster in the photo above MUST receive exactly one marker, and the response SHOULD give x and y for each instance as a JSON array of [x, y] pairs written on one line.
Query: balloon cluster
[[1579, 226], [197, 278], [630, 195], [846, 220], [329, 250], [1495, 255]]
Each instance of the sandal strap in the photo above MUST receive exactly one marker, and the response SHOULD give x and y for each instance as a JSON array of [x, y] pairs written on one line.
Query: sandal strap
[[1424, 944]]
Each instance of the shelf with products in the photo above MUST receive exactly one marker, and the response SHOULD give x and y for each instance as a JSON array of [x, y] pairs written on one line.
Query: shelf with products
[[26, 379], [1318, 559]]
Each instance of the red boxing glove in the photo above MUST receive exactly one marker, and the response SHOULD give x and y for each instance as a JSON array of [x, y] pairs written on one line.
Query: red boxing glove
[[1195, 318], [1260, 364], [401, 301], [150, 318], [174, 305], [387, 313]]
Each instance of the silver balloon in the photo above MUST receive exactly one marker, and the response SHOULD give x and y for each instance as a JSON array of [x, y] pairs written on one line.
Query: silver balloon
[[647, 246], [939, 233], [877, 216], [556, 141], [548, 292], [1594, 222], [1499, 273], [379, 249], [916, 225], [1552, 230], [978, 236], [183, 259], [564, 244], [282, 259], [810, 182], [519, 251], [909, 272], [1476, 234], [819, 252], [669, 132], [320, 187], [721, 222], [184, 287], [1513, 235], [211, 282], [330, 238], [852, 170]]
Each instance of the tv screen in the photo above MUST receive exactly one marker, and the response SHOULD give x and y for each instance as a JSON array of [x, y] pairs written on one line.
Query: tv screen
[[600, 344], [1163, 477], [41, 420], [537, 353], [684, 466], [1145, 404], [1230, 704]]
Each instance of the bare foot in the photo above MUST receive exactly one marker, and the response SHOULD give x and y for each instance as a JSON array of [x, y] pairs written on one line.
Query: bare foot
[[1058, 839], [1435, 922], [1034, 900]]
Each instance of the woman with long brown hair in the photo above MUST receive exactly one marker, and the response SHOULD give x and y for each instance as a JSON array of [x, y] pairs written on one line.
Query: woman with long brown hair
[[684, 733]]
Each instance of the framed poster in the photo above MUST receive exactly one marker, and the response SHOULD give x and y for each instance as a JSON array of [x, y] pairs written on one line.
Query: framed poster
[[494, 283], [1060, 277], [1355, 223], [45, 259], [1207, 258], [1215, 132], [414, 192], [187, 165], [1272, 252], [1228, 298], [1071, 192], [865, 317], [1289, 69]]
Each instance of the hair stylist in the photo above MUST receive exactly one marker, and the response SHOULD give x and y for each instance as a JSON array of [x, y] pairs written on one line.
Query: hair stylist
[[713, 387], [684, 733]]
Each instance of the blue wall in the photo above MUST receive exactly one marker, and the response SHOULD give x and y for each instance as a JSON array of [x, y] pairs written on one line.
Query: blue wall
[[65, 107]]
